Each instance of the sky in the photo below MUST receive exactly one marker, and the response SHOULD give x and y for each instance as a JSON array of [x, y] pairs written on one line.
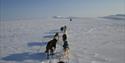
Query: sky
[[14, 9]]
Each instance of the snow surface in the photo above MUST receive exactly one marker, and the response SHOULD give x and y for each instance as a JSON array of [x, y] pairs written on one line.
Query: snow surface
[[91, 40]]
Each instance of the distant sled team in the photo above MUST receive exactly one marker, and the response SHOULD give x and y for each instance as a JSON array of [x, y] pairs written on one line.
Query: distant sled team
[[51, 45]]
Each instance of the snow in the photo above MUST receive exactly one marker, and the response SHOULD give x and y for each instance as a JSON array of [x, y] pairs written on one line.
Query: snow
[[91, 40]]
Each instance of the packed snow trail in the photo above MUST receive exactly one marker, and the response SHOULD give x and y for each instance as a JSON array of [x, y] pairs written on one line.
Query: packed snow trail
[[58, 55]]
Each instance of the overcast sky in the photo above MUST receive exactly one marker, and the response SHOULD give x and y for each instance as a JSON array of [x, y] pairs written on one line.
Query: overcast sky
[[12, 9]]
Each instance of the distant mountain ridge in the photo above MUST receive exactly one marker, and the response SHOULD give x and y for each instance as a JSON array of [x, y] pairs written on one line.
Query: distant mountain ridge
[[115, 17], [62, 17]]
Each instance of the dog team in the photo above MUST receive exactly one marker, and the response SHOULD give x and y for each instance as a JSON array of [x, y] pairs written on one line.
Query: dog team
[[51, 45]]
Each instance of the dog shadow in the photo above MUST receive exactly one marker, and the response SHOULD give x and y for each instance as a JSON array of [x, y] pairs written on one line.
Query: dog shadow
[[48, 36], [19, 57], [31, 44], [52, 31], [55, 30]]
